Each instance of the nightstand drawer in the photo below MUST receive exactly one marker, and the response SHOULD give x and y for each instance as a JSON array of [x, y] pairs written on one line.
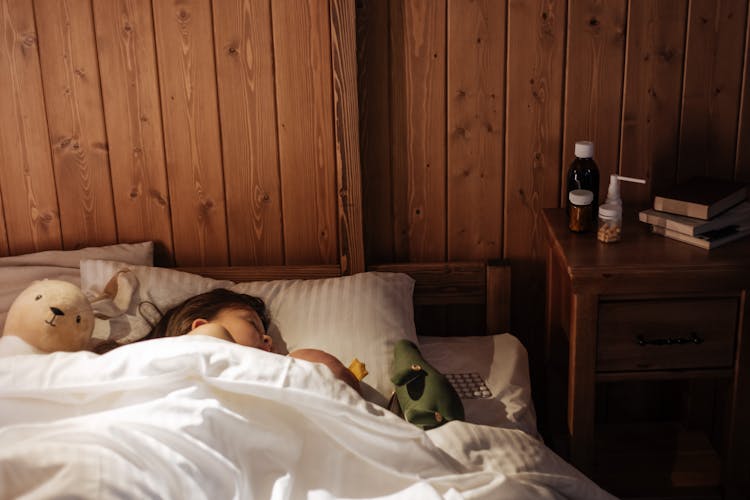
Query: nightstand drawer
[[666, 334]]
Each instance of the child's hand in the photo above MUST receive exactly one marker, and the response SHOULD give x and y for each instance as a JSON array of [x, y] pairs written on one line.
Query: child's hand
[[212, 330]]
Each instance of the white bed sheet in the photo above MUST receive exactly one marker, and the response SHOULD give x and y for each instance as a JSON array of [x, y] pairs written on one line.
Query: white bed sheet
[[196, 417], [502, 362]]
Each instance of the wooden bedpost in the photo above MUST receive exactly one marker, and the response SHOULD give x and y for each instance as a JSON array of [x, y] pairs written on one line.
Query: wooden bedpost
[[498, 297]]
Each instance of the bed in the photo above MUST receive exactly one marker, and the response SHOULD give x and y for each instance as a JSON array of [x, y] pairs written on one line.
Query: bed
[[198, 417], [273, 177]]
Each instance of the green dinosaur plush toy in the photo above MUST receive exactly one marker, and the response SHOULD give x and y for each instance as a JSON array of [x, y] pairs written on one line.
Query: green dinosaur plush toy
[[425, 396]]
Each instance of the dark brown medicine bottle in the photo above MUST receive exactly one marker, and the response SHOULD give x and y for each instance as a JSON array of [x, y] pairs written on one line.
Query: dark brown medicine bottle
[[583, 174]]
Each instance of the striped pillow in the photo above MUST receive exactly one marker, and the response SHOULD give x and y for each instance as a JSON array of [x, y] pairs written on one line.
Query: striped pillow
[[358, 316]]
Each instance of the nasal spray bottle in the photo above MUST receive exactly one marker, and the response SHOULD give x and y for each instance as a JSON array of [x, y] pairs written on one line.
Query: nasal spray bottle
[[610, 212]]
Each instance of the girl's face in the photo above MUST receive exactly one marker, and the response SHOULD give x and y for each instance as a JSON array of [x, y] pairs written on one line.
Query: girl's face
[[245, 327]]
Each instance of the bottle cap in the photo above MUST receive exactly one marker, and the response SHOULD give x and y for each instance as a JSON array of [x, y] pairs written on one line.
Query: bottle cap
[[609, 210], [584, 149], [581, 196]]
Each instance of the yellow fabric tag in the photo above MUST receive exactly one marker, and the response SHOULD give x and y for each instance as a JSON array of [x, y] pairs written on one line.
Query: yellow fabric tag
[[358, 368]]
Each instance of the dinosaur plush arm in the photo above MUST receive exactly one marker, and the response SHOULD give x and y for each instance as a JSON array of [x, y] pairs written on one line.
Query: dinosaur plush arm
[[425, 396]]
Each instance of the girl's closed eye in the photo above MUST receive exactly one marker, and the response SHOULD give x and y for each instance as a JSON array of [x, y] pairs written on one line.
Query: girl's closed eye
[[245, 327]]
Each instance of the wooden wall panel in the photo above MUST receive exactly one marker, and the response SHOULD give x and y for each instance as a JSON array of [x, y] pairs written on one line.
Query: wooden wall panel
[[27, 180], [373, 46], [711, 95], [130, 91], [346, 122], [205, 182], [75, 116], [306, 145], [742, 159], [187, 77], [594, 64], [536, 38], [418, 124], [651, 101], [475, 128], [4, 251], [244, 58]]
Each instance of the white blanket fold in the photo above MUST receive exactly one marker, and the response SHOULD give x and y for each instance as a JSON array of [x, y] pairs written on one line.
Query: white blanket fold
[[196, 417]]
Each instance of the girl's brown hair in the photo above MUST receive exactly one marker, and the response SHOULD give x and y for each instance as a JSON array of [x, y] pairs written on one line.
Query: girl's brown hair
[[179, 320]]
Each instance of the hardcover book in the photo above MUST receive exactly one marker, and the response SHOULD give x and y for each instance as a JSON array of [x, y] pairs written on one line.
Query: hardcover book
[[739, 214], [701, 197], [709, 240]]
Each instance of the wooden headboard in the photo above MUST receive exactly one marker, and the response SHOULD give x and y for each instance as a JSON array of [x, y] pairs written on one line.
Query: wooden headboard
[[450, 298]]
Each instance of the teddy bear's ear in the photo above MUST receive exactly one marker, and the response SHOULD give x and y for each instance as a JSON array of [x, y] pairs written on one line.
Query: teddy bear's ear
[[116, 297]]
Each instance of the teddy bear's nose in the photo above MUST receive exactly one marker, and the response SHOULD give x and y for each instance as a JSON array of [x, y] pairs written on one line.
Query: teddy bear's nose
[[57, 311]]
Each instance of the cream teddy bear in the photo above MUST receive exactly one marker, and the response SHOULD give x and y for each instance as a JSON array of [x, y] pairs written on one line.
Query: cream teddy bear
[[49, 316]]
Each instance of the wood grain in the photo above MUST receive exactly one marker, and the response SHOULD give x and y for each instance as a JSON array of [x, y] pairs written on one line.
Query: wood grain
[[652, 92], [346, 121], [498, 298], [130, 93], [713, 320], [457, 298], [373, 57], [266, 273], [443, 283], [3, 233], [594, 64], [581, 382], [245, 76], [651, 286], [75, 117], [742, 158], [31, 220], [302, 45], [184, 44], [418, 120], [476, 109], [712, 85], [738, 439], [536, 38]]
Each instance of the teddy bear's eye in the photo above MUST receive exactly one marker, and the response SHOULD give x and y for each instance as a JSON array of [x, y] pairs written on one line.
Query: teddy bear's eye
[[37, 297], [78, 318]]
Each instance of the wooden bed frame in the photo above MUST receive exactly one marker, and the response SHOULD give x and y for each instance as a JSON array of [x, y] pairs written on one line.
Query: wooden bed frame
[[450, 298]]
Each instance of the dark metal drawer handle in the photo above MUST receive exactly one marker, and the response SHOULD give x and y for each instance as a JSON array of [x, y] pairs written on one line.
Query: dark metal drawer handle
[[692, 339]]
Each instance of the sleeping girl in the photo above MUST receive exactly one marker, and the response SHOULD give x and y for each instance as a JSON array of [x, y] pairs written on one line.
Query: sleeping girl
[[239, 318]]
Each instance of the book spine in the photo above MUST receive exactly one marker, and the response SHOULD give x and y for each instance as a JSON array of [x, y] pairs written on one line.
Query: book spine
[[684, 238], [679, 207], [656, 220]]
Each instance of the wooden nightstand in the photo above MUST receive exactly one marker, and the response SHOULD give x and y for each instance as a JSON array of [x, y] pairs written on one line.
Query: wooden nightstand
[[649, 310]]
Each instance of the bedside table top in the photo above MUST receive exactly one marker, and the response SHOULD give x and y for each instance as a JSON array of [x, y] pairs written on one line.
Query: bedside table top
[[641, 255]]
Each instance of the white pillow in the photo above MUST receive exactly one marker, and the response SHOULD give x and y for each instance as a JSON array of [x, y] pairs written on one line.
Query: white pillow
[[358, 316], [17, 272]]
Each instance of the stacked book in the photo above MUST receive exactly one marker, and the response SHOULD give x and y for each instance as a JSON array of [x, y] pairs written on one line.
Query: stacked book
[[703, 211]]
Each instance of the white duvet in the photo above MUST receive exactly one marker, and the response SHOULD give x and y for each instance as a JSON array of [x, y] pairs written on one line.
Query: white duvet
[[196, 417]]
